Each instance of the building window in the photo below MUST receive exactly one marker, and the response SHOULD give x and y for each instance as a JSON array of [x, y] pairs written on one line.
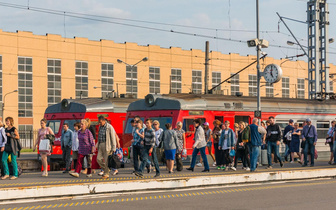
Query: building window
[[269, 90], [54, 81], [300, 88], [25, 128], [132, 80], [216, 79], [0, 78], [154, 80], [285, 87], [176, 81], [25, 79], [234, 84], [252, 85], [107, 75], [82, 90], [197, 81]]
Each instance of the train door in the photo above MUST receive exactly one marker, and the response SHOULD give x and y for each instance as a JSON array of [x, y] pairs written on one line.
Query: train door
[[188, 126]]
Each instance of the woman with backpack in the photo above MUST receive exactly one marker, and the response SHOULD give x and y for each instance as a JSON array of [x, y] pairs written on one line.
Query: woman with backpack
[[12, 147]]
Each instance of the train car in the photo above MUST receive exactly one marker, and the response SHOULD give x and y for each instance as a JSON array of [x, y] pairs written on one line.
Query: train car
[[172, 108], [73, 110]]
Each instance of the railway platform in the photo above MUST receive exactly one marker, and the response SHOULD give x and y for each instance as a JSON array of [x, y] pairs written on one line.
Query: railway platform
[[57, 184]]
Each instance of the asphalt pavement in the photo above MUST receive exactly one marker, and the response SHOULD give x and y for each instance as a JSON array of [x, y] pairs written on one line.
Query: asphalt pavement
[[316, 194]]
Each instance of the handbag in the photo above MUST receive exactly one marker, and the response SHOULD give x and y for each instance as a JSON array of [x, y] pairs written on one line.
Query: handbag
[[329, 139], [114, 161], [44, 146]]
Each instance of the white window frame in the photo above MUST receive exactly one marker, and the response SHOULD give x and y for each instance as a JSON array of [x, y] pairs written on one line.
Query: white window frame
[[234, 84], [269, 89], [300, 88], [82, 74], [176, 80], [132, 77], [252, 85], [197, 81], [107, 78], [285, 87], [216, 79], [154, 80], [25, 91], [54, 86]]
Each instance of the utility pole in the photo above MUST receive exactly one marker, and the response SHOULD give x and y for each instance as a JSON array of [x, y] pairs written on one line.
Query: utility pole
[[258, 60], [206, 73]]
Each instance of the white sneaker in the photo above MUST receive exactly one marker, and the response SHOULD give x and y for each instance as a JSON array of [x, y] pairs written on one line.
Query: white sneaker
[[248, 169], [233, 168], [89, 175], [292, 162], [214, 164], [244, 168], [74, 174], [199, 164], [101, 173]]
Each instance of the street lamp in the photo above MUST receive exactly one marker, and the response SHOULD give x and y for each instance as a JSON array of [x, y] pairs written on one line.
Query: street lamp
[[3, 103], [132, 68]]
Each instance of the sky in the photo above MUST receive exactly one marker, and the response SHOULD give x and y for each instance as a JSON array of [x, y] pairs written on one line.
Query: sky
[[133, 21]]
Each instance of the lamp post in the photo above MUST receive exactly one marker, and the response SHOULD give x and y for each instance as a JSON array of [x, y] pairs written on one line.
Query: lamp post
[[4, 100], [132, 68]]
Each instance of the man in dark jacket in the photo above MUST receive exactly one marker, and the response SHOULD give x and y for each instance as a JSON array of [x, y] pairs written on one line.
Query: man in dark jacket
[[273, 138], [287, 141]]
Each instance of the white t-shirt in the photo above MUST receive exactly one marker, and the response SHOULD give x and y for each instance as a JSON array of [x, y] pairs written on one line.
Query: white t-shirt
[[157, 135]]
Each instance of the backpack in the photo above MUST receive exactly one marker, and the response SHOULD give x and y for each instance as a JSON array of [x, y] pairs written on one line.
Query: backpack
[[246, 135]]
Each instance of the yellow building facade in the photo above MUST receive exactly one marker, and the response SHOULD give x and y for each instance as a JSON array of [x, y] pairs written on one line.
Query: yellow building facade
[[46, 69]]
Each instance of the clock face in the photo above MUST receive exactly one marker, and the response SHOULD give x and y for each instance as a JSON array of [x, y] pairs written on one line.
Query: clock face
[[272, 73]]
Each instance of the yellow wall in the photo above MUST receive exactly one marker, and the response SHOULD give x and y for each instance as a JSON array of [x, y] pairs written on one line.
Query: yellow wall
[[70, 50]]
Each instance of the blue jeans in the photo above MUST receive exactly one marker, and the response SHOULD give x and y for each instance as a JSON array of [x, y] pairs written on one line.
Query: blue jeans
[[5, 164], [309, 145], [275, 147], [204, 157], [254, 157], [145, 159]]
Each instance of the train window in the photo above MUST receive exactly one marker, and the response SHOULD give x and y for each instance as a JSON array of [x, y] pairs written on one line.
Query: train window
[[322, 128], [129, 127], [54, 125], [220, 118], [188, 124], [163, 121], [242, 118]]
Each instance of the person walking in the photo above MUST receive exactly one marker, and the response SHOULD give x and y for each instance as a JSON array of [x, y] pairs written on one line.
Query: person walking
[[240, 149], [42, 132], [75, 144], [227, 143], [149, 148], [199, 146], [66, 145], [295, 143], [107, 145], [216, 135], [169, 140], [181, 143], [3, 141], [330, 141], [158, 147], [208, 135], [136, 144], [287, 137], [11, 148], [256, 132], [309, 136], [85, 148], [273, 141]]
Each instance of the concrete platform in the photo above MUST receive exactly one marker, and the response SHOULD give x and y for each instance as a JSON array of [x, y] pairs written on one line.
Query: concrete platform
[[32, 185]]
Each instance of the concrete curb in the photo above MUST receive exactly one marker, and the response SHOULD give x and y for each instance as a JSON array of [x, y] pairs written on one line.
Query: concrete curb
[[155, 184]]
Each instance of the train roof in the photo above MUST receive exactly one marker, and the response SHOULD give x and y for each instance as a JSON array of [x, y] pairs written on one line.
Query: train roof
[[230, 103], [117, 105]]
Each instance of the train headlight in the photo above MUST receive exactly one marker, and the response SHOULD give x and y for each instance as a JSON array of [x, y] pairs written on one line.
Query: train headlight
[[64, 105], [150, 100]]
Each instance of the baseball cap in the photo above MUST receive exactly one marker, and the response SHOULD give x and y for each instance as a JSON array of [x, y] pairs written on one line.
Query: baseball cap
[[291, 121], [206, 123]]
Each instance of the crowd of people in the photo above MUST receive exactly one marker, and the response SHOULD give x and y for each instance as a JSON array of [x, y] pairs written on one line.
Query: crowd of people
[[242, 143]]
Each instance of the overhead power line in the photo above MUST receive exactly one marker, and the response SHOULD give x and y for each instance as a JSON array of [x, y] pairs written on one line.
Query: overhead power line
[[86, 17]]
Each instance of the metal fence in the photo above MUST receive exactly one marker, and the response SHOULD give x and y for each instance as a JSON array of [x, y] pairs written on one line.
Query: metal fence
[[27, 138]]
